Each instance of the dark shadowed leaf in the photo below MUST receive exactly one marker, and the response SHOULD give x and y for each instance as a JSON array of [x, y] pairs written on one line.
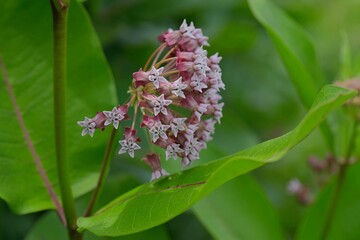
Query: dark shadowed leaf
[[239, 210], [294, 47], [26, 50], [345, 223], [296, 51], [49, 227]]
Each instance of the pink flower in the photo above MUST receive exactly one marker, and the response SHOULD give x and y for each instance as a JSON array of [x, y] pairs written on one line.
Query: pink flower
[[158, 104], [178, 87], [116, 115], [172, 151], [141, 78], [178, 97], [159, 130], [153, 160], [129, 143], [155, 78], [177, 124], [89, 126]]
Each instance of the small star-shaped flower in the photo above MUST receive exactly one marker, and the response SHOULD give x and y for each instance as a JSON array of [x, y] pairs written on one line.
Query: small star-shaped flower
[[89, 126], [215, 79], [128, 145], [200, 110], [209, 125], [177, 125], [159, 105], [190, 131], [201, 52], [197, 83], [172, 150], [200, 65], [155, 78], [159, 130], [177, 88], [187, 31], [191, 147], [114, 116]]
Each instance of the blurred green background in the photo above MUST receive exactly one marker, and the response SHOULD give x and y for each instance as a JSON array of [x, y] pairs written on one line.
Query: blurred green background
[[260, 100]]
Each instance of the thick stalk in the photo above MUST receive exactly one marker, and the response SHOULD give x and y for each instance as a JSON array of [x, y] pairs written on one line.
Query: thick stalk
[[103, 174], [60, 16]]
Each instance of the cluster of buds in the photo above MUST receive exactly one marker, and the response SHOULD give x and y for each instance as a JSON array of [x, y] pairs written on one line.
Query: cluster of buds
[[328, 165], [178, 96]]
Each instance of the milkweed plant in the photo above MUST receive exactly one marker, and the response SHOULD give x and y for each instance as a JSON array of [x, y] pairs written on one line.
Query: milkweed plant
[[176, 98]]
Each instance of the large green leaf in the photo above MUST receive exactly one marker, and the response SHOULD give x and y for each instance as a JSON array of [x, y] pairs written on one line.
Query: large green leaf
[[154, 203], [345, 223], [26, 50], [294, 47], [239, 210]]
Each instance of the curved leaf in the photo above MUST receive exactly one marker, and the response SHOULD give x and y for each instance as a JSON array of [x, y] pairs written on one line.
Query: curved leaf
[[26, 50], [297, 53], [154, 203], [294, 47]]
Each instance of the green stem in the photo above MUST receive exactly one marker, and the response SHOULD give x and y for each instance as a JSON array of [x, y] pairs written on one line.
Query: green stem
[[60, 16], [339, 183], [153, 55], [165, 74], [103, 174], [158, 54]]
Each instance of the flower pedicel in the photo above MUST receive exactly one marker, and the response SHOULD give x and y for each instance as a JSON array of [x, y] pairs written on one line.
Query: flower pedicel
[[178, 97]]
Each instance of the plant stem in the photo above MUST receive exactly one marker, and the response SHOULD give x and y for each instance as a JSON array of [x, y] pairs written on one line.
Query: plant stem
[[158, 64], [165, 74], [169, 52], [153, 55], [103, 174], [60, 13], [135, 116], [339, 183], [158, 54]]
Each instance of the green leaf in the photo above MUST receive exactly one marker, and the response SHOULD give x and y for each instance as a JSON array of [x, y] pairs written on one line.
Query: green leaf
[[154, 203], [239, 210], [49, 227], [26, 50], [296, 51], [294, 47], [345, 224], [345, 71]]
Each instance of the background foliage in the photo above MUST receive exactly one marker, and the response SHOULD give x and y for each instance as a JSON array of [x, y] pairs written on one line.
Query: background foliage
[[261, 103]]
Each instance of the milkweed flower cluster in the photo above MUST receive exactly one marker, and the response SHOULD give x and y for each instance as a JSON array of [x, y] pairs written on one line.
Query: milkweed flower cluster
[[177, 93]]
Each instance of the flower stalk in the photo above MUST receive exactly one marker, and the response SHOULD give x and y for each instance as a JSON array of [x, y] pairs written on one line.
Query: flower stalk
[[103, 174], [340, 182]]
